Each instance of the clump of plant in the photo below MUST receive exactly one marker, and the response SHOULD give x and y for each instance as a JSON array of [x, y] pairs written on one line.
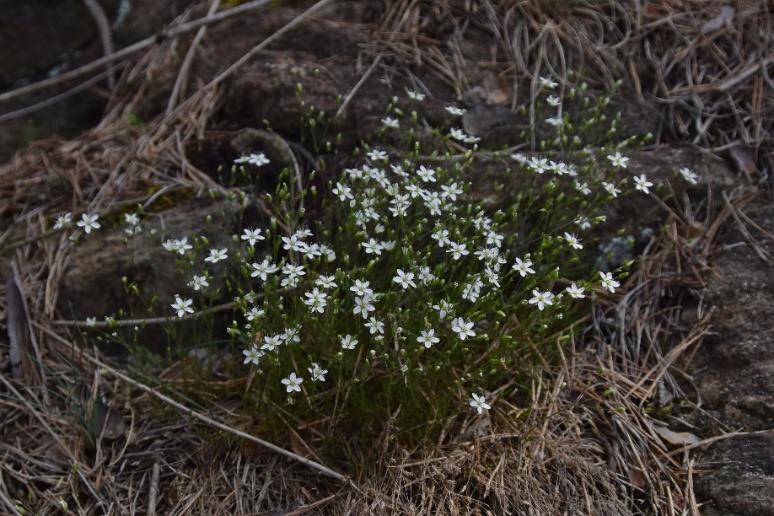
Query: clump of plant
[[406, 296]]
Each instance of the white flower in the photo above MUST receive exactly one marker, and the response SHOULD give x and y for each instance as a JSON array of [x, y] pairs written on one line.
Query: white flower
[[404, 279], [541, 299], [427, 338], [258, 159], [554, 121], [457, 250], [546, 82], [618, 159], [326, 282], [415, 95], [292, 383], [523, 267], [450, 192], [252, 355], [689, 175], [363, 306], [441, 236], [454, 110], [460, 135], [575, 291], [377, 155], [553, 100], [443, 308], [611, 189], [642, 184], [272, 342], [390, 122], [254, 313], [375, 326], [182, 306], [91, 321], [216, 255], [180, 246], [198, 282], [478, 402], [372, 247], [608, 282], [573, 241], [131, 219], [539, 165], [252, 235], [88, 222], [317, 372], [426, 174], [348, 342], [294, 243], [425, 276], [316, 300], [292, 274], [292, 335], [362, 288], [343, 192], [63, 221], [462, 328], [263, 269]]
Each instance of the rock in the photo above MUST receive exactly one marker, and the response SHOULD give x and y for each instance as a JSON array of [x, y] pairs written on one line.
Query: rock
[[738, 476], [92, 282]]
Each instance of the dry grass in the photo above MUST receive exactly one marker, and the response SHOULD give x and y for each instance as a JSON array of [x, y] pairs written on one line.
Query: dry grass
[[590, 437]]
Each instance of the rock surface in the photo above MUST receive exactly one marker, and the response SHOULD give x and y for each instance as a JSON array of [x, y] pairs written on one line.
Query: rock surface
[[734, 373]]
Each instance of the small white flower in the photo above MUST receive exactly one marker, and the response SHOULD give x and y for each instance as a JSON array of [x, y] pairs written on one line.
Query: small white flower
[[88, 222], [546, 82], [91, 321], [180, 246], [316, 300], [427, 338], [462, 136], [372, 247], [523, 267], [573, 241], [257, 159], [611, 189], [425, 275], [404, 279], [292, 383], [272, 342], [689, 175], [541, 299], [462, 328], [198, 282], [390, 122], [182, 306], [63, 221], [348, 342], [254, 313], [363, 306], [478, 402], [554, 121], [252, 355], [362, 289], [444, 308], [252, 235], [377, 155], [642, 184], [415, 95], [292, 335], [457, 250], [326, 282], [554, 101], [375, 326], [216, 255], [454, 110], [132, 219], [575, 291], [618, 160], [263, 269], [608, 282], [294, 243], [426, 174], [317, 372]]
